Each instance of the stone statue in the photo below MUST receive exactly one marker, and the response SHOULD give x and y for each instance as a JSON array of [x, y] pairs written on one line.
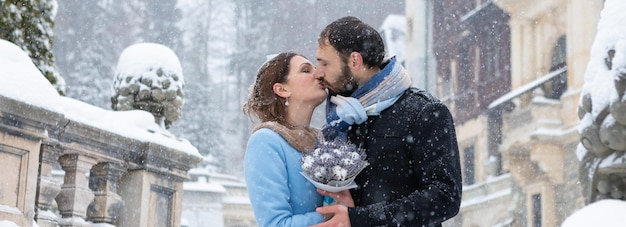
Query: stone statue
[[603, 129], [149, 77]]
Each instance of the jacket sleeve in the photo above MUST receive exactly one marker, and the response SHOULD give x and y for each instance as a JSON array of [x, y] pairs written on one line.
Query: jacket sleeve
[[268, 186], [437, 166]]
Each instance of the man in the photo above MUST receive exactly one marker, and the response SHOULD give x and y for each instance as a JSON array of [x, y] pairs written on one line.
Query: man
[[414, 176]]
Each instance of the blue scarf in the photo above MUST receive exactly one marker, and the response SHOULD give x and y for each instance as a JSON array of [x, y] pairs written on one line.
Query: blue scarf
[[376, 95]]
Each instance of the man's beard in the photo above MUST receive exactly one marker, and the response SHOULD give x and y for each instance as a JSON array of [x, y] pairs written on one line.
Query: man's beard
[[347, 85]]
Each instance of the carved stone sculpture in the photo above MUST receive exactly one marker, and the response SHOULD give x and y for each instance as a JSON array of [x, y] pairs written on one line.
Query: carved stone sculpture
[[149, 77]]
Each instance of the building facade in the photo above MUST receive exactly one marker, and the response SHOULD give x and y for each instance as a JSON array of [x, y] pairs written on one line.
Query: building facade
[[511, 72], [213, 199]]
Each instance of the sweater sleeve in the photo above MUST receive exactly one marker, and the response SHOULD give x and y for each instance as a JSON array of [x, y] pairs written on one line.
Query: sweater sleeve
[[436, 161], [268, 185]]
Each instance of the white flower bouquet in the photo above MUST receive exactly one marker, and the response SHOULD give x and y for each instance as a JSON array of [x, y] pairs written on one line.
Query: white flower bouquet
[[333, 165]]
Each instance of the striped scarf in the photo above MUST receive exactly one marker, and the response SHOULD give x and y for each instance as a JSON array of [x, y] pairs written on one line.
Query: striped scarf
[[376, 95]]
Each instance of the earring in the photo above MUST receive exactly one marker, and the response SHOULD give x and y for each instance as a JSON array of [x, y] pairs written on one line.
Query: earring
[[286, 102]]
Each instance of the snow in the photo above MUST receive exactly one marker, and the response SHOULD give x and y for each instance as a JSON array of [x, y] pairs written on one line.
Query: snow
[[605, 213], [551, 132], [614, 159], [494, 188], [23, 82], [8, 224], [10, 210], [611, 34], [475, 11], [236, 200], [204, 186], [526, 88], [487, 198], [393, 30], [133, 59]]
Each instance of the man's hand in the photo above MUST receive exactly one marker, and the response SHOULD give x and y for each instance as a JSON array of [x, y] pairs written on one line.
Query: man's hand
[[342, 197], [339, 219]]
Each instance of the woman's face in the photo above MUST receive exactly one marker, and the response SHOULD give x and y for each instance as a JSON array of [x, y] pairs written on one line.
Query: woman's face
[[302, 84]]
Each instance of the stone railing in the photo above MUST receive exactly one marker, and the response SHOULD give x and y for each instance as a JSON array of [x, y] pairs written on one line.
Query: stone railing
[[111, 178], [527, 111]]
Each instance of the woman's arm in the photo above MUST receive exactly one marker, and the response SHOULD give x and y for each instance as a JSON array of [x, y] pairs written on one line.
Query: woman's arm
[[266, 176]]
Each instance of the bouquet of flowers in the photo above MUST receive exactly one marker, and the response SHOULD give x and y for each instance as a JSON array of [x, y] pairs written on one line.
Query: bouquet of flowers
[[333, 165]]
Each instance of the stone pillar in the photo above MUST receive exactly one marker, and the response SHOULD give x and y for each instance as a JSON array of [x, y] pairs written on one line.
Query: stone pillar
[[582, 16], [107, 204], [75, 194], [48, 187], [516, 54], [150, 199]]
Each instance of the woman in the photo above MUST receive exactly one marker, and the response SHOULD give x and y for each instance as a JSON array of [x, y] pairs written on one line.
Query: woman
[[283, 99]]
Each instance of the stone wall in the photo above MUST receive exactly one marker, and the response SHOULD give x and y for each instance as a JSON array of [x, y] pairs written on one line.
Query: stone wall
[[132, 182]]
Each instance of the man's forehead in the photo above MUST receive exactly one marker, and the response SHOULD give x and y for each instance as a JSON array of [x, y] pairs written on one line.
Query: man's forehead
[[325, 51]]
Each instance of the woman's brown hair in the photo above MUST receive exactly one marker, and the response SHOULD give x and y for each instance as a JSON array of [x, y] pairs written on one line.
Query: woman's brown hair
[[263, 102]]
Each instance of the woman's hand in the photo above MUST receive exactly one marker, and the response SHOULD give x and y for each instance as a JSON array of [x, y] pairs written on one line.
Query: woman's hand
[[342, 197]]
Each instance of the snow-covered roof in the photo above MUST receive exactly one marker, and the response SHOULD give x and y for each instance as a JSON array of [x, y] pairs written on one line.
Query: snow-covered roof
[[203, 186], [240, 200], [476, 10]]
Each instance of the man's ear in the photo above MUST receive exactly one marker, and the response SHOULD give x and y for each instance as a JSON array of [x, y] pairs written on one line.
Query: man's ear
[[356, 60], [279, 89]]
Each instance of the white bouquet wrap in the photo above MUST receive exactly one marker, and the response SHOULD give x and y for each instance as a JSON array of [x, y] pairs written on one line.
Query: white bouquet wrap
[[333, 165]]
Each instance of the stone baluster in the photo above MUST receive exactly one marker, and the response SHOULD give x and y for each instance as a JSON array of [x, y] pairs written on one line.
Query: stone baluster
[[107, 204], [75, 195], [48, 188]]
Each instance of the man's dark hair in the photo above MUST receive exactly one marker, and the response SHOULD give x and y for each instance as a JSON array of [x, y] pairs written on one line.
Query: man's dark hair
[[349, 34]]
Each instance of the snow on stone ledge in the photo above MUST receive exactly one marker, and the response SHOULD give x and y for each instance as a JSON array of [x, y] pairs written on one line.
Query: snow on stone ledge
[[143, 57], [605, 213], [20, 80], [8, 224]]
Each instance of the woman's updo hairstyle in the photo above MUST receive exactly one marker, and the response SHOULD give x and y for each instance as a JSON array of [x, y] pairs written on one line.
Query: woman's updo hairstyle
[[263, 102]]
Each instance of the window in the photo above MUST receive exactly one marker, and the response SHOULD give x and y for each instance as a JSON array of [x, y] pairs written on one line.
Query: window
[[558, 85], [468, 163], [446, 84], [536, 203]]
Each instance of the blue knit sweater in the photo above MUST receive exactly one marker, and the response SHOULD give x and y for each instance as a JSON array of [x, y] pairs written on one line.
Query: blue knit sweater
[[279, 194]]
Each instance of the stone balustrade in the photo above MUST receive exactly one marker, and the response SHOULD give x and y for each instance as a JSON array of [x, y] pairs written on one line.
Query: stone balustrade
[[110, 179]]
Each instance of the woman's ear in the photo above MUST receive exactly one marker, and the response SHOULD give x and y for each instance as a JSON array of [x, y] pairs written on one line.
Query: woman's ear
[[279, 89]]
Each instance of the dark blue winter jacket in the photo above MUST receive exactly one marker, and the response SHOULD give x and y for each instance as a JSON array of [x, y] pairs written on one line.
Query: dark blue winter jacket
[[414, 176]]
